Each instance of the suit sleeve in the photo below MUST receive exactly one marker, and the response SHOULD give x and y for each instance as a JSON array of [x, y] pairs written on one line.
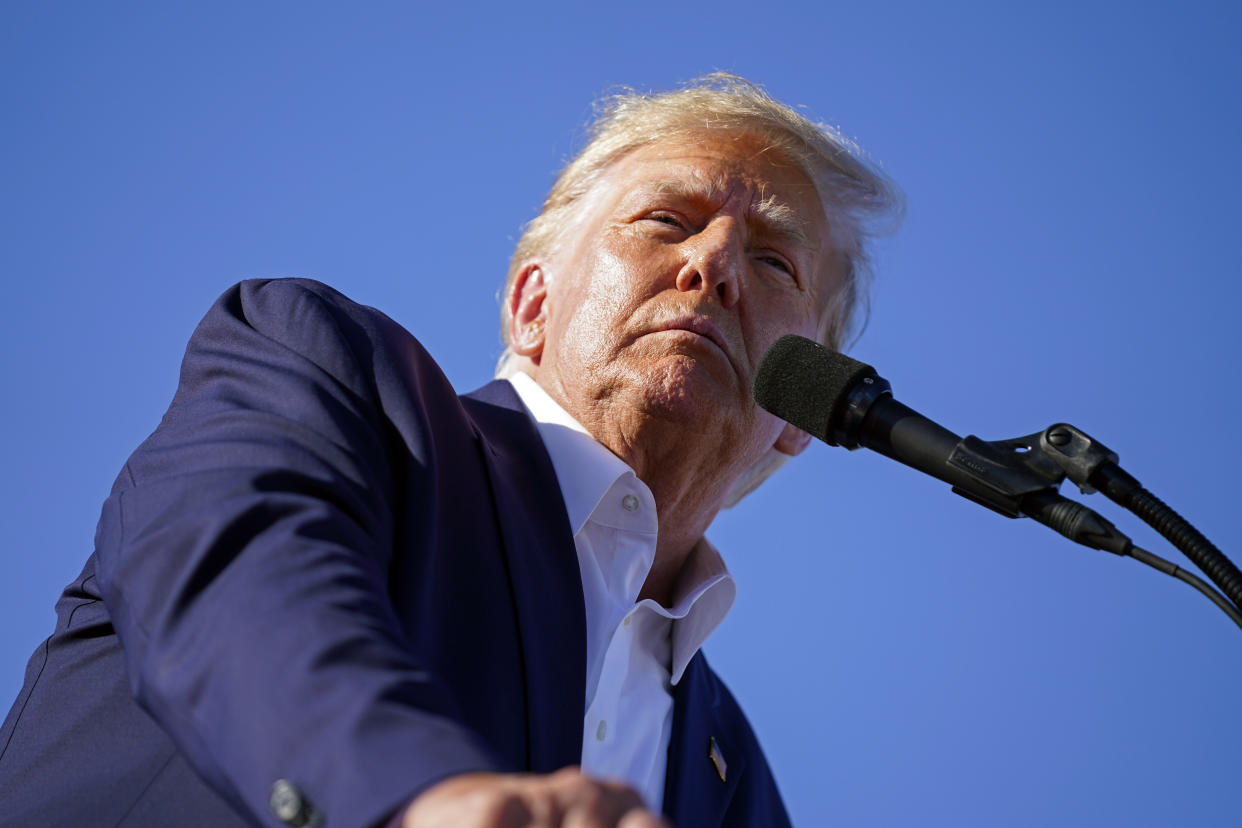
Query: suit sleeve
[[243, 555]]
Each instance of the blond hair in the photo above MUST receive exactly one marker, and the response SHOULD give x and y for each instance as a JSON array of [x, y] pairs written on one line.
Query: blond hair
[[856, 195]]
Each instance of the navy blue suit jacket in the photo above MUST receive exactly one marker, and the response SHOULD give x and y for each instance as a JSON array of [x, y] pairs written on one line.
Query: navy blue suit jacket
[[326, 567]]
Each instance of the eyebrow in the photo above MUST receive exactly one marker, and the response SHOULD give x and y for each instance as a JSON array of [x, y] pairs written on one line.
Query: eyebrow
[[772, 216]]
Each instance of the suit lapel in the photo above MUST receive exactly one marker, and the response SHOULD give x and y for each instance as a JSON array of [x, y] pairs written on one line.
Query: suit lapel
[[694, 792], [543, 572]]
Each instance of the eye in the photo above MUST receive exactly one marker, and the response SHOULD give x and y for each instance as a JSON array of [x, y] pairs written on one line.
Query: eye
[[670, 219], [778, 262]]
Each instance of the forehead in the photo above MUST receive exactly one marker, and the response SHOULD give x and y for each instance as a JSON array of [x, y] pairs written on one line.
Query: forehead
[[742, 168]]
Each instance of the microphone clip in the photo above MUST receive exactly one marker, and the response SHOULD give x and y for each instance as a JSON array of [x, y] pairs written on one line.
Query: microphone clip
[[1000, 473]]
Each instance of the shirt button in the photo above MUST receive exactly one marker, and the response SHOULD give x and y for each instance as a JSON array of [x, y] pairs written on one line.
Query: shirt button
[[627, 620], [629, 503], [601, 731]]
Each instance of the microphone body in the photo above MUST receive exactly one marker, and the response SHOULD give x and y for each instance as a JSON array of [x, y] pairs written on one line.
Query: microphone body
[[898, 431], [845, 403]]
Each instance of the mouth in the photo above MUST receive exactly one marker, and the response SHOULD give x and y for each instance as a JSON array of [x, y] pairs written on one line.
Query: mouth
[[702, 326]]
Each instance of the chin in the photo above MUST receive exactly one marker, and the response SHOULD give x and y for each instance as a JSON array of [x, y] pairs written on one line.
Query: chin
[[682, 387]]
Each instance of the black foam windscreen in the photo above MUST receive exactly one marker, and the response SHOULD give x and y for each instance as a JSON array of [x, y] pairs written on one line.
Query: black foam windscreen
[[806, 384]]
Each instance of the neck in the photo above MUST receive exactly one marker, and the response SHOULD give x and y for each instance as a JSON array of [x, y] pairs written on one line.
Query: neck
[[689, 469]]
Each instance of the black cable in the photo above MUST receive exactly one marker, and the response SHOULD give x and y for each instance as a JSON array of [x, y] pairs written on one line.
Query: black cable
[[1187, 538], [1170, 568], [1127, 491], [1082, 525]]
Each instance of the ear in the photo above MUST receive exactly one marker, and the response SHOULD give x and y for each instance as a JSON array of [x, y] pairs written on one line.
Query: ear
[[528, 312], [792, 440]]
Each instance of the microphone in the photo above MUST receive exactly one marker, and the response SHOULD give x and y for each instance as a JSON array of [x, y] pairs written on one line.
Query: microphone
[[844, 402]]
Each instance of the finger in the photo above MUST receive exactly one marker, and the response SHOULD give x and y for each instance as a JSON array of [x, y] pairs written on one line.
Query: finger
[[544, 809], [625, 795], [591, 803], [643, 819], [506, 812]]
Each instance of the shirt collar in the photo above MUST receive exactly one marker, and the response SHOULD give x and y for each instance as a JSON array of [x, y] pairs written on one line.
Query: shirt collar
[[703, 596]]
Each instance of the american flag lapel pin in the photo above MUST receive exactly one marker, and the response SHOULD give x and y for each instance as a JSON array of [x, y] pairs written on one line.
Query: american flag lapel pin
[[718, 760]]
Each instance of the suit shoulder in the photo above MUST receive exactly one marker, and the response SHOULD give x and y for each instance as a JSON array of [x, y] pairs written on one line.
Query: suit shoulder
[[303, 319], [297, 307]]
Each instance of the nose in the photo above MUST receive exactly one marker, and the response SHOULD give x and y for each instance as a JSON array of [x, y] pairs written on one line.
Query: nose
[[714, 260]]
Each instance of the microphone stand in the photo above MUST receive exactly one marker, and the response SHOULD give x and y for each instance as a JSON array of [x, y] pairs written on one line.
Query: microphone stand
[[845, 403], [1022, 476]]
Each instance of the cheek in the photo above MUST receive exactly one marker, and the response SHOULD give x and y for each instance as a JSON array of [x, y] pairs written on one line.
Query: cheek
[[619, 277], [603, 301], [806, 319], [787, 314]]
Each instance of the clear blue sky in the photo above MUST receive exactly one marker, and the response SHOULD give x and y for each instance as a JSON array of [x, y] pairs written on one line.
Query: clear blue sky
[[1073, 179]]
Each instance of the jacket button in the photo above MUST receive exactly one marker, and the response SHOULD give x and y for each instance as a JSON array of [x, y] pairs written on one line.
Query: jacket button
[[291, 807]]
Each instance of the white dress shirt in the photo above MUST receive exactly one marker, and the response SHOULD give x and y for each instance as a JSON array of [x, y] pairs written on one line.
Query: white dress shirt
[[636, 650]]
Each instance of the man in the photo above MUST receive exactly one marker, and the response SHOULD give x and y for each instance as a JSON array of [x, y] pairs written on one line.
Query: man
[[327, 590]]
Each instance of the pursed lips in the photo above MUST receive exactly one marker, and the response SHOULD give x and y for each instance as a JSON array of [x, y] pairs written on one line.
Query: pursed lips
[[702, 326]]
